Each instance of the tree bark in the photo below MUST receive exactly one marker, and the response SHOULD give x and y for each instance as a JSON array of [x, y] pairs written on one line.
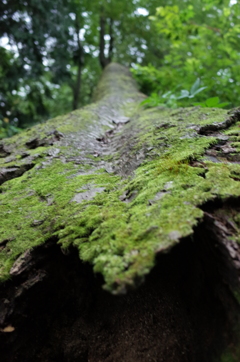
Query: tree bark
[[105, 60], [148, 199], [111, 42], [80, 63]]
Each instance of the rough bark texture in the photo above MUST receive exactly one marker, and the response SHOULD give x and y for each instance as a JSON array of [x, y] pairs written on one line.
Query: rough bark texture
[[148, 199]]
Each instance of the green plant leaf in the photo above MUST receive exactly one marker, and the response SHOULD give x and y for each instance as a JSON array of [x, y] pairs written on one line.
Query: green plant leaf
[[212, 102], [202, 104], [184, 94], [221, 105], [195, 86], [197, 91]]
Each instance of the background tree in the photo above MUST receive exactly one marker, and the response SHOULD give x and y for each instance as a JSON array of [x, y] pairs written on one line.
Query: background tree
[[60, 48]]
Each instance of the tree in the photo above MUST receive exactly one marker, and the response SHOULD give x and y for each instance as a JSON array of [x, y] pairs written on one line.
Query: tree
[[198, 40], [57, 50], [46, 41], [127, 191]]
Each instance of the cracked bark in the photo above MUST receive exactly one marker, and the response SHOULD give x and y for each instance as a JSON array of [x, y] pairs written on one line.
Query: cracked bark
[[53, 306]]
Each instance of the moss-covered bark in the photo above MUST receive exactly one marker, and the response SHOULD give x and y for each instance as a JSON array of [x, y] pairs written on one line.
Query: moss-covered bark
[[119, 183]]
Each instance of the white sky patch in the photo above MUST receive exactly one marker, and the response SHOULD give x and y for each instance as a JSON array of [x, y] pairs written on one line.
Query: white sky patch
[[81, 34], [134, 65], [72, 16], [96, 53], [4, 43], [71, 30], [27, 67], [18, 15], [50, 42], [47, 62], [141, 11], [232, 2]]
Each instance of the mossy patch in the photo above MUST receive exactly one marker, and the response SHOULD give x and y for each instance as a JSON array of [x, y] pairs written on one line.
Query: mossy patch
[[31, 206], [119, 238], [127, 220]]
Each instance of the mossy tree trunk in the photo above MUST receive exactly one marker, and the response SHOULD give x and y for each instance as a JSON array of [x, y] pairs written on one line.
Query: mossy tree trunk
[[148, 199]]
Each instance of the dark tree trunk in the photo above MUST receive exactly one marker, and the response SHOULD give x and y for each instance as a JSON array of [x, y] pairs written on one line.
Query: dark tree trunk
[[79, 62], [105, 60], [77, 88], [111, 42], [149, 200], [102, 58]]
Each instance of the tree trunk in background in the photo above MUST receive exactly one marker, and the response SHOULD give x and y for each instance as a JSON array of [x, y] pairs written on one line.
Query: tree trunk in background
[[105, 60], [77, 88], [149, 200], [79, 63], [111, 42]]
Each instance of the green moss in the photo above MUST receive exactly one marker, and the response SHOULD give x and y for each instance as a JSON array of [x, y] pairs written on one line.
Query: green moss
[[31, 206], [121, 222], [116, 82], [236, 145]]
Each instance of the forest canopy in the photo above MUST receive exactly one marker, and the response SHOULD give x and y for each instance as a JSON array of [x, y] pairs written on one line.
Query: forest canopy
[[182, 53]]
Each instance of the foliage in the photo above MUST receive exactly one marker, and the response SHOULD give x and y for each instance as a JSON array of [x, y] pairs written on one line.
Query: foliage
[[41, 59], [199, 40], [153, 101], [51, 60], [49, 52], [7, 129], [212, 102], [195, 89], [170, 99]]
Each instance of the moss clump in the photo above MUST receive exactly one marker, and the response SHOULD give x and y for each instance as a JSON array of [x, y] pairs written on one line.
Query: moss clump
[[32, 204]]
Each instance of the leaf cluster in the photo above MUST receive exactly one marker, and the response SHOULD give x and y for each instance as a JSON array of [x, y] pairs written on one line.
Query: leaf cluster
[[199, 42]]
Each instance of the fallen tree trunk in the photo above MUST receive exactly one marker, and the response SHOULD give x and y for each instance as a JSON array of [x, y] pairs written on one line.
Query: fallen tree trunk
[[136, 195]]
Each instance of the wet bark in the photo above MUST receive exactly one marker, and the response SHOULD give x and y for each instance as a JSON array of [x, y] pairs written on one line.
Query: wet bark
[[53, 306]]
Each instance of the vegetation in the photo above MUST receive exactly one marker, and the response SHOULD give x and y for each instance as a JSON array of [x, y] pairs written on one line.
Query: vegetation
[[199, 40], [52, 53], [123, 180]]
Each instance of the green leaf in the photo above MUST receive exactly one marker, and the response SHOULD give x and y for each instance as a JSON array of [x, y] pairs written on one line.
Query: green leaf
[[202, 104], [221, 105], [197, 91], [184, 94], [212, 102], [195, 86]]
